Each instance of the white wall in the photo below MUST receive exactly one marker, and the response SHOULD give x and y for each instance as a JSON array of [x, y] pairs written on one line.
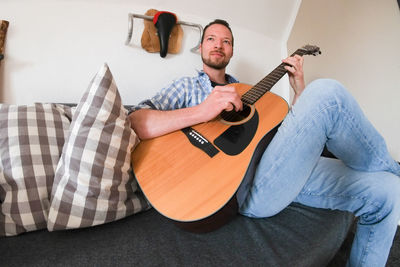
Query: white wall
[[53, 48], [360, 41]]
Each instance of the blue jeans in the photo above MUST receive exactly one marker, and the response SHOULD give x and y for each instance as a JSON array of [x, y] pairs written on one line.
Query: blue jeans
[[364, 181]]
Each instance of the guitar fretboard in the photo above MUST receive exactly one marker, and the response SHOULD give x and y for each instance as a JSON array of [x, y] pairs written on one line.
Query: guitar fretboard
[[255, 93]]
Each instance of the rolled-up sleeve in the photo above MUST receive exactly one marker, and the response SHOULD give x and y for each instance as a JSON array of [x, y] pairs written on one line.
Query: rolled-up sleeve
[[171, 97], [182, 93]]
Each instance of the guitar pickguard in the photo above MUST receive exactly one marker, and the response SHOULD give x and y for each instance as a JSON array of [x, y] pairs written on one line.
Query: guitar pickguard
[[237, 137]]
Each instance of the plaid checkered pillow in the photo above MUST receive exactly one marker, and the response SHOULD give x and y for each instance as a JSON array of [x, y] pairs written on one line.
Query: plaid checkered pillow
[[31, 141], [94, 183]]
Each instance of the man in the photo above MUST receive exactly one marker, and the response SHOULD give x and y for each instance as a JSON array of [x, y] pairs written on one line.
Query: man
[[364, 181]]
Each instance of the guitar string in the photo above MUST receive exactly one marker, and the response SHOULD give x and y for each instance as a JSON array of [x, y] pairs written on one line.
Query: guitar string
[[257, 91], [262, 87]]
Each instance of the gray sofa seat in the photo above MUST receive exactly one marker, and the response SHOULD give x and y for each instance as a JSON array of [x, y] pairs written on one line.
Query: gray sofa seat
[[298, 236]]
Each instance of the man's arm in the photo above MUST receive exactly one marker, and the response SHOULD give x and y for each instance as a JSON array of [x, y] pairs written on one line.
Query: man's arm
[[149, 123], [296, 75]]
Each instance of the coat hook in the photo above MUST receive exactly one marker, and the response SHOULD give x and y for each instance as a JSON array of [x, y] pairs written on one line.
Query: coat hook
[[131, 16]]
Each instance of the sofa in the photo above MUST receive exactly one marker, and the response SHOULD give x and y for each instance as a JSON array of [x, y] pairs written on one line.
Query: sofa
[[68, 197], [298, 236]]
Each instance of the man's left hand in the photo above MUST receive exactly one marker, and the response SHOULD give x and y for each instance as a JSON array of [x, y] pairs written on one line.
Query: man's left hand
[[296, 74]]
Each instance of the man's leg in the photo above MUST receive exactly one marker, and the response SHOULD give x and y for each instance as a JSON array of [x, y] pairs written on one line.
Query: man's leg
[[372, 196], [327, 114]]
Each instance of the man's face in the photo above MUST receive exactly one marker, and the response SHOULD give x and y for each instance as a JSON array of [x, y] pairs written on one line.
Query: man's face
[[216, 48]]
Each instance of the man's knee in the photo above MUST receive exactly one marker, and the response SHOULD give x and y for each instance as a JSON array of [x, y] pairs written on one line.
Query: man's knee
[[392, 190], [327, 88], [385, 196]]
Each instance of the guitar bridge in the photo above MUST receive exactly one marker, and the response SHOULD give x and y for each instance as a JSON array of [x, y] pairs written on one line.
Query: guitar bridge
[[199, 141]]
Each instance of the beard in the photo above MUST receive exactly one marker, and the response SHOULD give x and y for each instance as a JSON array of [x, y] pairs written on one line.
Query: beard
[[215, 64]]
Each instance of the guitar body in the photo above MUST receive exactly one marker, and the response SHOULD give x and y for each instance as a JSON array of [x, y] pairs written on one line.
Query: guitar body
[[186, 184]]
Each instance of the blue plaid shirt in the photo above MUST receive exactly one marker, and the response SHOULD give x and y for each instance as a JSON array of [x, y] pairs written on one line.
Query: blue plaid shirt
[[182, 93]]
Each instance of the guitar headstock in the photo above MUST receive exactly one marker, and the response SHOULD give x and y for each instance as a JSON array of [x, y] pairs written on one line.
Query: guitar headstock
[[310, 50]]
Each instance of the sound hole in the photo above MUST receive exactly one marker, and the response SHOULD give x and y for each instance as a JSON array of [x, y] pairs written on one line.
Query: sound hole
[[233, 116]]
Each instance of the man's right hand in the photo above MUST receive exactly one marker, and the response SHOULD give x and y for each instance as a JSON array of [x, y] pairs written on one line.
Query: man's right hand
[[221, 98], [149, 123]]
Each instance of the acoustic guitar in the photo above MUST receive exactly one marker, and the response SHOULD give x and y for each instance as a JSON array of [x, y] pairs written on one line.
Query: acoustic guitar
[[191, 176]]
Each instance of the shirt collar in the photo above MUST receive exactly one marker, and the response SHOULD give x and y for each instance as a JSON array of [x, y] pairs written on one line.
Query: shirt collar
[[205, 80]]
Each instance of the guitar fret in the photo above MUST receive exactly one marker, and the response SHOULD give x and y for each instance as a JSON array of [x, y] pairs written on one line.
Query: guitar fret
[[267, 83], [251, 98], [281, 71], [250, 94], [258, 91], [274, 75], [246, 101], [255, 93], [278, 73]]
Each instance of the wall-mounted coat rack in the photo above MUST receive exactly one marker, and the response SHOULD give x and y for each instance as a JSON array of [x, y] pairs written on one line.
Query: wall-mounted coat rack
[[131, 16]]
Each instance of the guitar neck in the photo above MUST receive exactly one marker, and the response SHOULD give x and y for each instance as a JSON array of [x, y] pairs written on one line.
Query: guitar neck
[[265, 85]]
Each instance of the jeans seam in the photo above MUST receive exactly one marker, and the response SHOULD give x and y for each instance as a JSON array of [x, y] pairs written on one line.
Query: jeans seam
[[378, 216], [366, 249]]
